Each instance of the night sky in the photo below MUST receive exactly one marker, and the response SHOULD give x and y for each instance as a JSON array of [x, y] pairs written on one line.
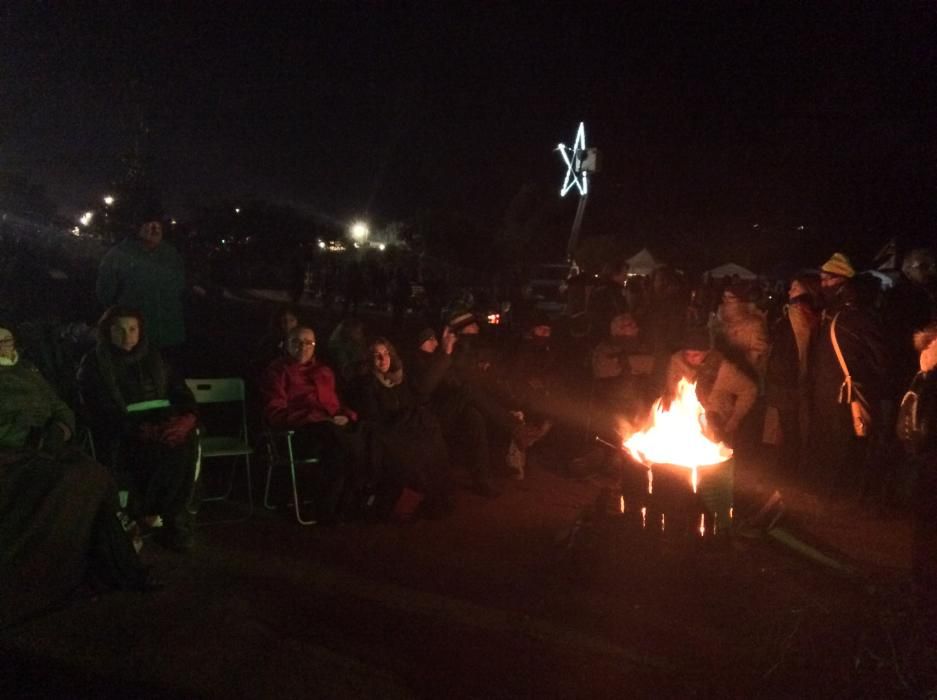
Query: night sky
[[710, 118]]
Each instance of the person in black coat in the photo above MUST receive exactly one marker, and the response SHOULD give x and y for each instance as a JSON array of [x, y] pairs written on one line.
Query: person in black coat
[[406, 433], [842, 459], [917, 431], [143, 417]]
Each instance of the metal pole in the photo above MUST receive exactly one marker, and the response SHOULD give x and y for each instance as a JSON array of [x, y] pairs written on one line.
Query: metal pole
[[577, 224]]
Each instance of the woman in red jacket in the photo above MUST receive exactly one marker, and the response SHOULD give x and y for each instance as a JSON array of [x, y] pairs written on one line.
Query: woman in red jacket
[[299, 394]]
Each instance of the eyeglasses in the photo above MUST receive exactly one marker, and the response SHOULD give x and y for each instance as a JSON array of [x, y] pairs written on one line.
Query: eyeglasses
[[6, 341]]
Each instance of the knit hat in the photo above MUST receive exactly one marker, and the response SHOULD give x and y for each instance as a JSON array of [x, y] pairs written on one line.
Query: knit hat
[[425, 335], [839, 265], [461, 318], [696, 338]]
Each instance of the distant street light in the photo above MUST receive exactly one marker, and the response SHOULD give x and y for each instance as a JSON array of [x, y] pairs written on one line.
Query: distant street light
[[359, 232], [108, 200], [237, 210], [86, 218]]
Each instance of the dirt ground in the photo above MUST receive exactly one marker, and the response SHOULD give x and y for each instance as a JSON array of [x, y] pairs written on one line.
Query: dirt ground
[[537, 593]]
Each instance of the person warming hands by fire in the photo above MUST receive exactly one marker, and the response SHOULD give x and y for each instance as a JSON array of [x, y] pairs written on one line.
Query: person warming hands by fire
[[726, 393]]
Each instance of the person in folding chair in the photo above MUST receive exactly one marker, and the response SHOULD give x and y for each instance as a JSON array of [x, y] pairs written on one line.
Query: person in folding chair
[[58, 508], [144, 420], [299, 394]]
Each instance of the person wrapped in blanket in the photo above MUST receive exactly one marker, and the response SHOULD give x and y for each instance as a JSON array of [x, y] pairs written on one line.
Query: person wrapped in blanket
[[143, 417], [58, 508]]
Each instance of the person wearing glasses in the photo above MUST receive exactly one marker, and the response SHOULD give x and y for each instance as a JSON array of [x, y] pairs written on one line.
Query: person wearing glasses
[[299, 394]]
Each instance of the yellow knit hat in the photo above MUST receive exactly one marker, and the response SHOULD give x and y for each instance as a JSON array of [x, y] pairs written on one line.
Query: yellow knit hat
[[839, 265]]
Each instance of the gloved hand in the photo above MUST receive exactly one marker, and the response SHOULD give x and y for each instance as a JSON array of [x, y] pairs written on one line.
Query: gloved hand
[[174, 431]]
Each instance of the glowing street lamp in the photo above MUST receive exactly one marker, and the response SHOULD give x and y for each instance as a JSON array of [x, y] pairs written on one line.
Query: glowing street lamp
[[108, 200], [86, 218], [359, 232]]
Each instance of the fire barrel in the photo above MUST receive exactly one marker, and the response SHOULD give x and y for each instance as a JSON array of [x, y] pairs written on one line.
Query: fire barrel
[[666, 499]]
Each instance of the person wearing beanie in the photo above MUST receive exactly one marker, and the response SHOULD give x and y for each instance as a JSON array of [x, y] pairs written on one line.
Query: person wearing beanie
[[726, 392], [147, 273], [842, 462], [838, 266], [741, 331]]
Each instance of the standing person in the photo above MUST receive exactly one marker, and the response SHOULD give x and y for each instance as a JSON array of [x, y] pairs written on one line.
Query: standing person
[[725, 391], [299, 394], [786, 381], [740, 331], [917, 431], [841, 456], [58, 508], [143, 417], [147, 273]]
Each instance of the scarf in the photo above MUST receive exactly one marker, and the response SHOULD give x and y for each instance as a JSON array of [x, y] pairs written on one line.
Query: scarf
[[393, 377]]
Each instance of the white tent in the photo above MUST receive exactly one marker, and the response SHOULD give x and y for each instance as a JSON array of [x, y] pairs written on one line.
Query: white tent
[[642, 263], [731, 270]]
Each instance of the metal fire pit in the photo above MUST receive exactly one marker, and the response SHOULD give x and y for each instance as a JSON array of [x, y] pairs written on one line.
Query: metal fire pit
[[661, 498]]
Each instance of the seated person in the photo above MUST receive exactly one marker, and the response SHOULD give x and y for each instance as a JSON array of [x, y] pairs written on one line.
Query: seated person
[[618, 391], [726, 392], [273, 345], [299, 394], [143, 417], [348, 351], [532, 371], [409, 439], [58, 508], [468, 404]]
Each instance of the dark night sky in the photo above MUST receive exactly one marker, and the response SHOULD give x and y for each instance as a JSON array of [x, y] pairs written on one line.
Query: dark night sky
[[707, 118]]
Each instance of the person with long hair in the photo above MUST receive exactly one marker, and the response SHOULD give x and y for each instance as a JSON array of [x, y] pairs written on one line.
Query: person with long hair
[[144, 420], [407, 434]]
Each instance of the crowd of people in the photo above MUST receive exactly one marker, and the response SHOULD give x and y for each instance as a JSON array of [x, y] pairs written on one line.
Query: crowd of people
[[821, 376]]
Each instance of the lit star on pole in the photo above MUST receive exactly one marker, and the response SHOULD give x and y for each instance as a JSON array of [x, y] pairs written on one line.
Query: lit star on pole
[[575, 175]]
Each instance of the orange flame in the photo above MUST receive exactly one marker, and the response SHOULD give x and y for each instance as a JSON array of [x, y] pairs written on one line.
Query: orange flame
[[677, 435]]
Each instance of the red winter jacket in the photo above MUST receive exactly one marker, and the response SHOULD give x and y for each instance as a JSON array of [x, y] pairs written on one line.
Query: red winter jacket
[[295, 394]]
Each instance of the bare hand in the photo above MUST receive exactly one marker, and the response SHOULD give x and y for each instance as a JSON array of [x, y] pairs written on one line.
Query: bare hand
[[448, 340], [340, 420]]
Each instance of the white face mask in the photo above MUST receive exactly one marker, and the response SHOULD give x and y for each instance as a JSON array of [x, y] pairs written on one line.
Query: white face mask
[[929, 357]]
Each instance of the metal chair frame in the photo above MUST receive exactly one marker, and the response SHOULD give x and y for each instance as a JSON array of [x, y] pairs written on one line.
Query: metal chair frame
[[216, 391], [277, 459]]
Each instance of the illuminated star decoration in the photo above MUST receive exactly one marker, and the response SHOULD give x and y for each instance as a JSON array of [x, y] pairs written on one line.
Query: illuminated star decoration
[[575, 175]]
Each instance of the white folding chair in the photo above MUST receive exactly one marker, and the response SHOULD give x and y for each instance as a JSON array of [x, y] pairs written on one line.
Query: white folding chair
[[227, 390]]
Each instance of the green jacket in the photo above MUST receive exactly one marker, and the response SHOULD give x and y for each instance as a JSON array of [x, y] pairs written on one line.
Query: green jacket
[[152, 282], [27, 403]]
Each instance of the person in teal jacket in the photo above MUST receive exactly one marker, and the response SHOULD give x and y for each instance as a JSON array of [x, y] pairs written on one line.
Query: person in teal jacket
[[147, 273]]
